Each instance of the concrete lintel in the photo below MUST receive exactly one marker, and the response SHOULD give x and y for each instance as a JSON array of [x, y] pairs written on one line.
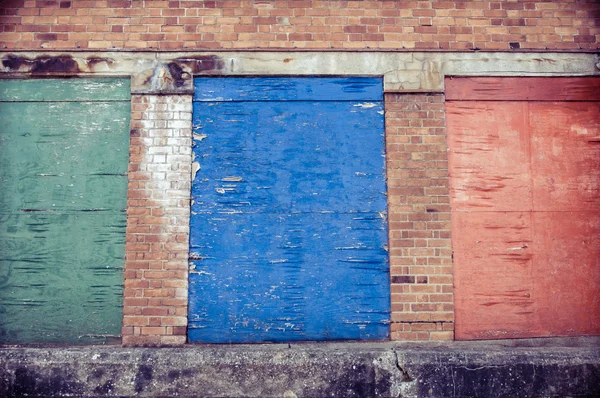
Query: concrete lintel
[[161, 73], [470, 369]]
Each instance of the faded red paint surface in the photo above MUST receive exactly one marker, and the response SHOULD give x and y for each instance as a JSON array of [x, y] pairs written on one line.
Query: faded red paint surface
[[525, 199]]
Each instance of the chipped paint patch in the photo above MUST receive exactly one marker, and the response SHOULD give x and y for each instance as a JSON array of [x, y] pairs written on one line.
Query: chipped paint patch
[[232, 179], [195, 169], [366, 105]]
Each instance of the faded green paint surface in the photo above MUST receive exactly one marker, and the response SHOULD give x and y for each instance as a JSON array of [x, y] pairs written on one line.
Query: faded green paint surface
[[63, 178]]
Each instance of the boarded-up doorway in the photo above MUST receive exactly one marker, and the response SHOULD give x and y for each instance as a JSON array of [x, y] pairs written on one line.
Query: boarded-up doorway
[[288, 225], [525, 196], [64, 150]]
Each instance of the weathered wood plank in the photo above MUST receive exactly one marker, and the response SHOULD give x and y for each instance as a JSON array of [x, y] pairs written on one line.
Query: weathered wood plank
[[489, 152], [288, 89], [494, 293], [288, 226], [62, 221], [68, 138], [288, 277], [73, 90], [288, 157], [525, 198], [565, 164], [522, 88], [61, 277]]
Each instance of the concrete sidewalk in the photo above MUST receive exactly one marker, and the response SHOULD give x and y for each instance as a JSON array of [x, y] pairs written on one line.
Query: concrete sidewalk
[[557, 367]]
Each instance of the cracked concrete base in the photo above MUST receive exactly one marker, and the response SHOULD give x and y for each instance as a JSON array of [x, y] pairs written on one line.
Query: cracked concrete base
[[511, 368]]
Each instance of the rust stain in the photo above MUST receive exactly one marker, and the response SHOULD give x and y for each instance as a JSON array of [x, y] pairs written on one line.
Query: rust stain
[[287, 60], [43, 64]]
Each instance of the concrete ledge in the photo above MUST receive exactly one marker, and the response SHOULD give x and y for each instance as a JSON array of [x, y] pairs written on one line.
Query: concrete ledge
[[172, 72], [512, 368]]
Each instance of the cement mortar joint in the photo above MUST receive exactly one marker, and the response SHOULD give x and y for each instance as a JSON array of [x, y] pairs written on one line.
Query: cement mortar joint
[[402, 72]]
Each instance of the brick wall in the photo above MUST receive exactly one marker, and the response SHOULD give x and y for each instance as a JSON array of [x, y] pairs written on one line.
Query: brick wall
[[419, 217], [155, 298], [251, 24]]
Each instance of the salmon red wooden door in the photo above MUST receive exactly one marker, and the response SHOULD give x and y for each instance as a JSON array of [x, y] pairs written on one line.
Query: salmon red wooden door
[[525, 197], [288, 225]]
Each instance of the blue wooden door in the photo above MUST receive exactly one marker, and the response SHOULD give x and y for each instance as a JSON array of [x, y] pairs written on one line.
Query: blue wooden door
[[288, 225]]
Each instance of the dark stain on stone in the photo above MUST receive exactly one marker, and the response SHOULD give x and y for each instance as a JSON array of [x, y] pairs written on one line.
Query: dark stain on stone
[[360, 380], [97, 373], [14, 62], [143, 377], [203, 63], [187, 373], [105, 388], [58, 64], [173, 375], [177, 74], [93, 61], [24, 384], [286, 60], [29, 383], [43, 64]]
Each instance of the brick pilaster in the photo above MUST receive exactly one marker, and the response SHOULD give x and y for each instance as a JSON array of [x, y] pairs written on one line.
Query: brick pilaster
[[419, 217], [156, 285]]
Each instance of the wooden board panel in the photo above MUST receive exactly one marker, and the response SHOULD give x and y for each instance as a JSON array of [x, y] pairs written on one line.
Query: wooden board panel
[[522, 88], [288, 277], [287, 89], [288, 226], [63, 168], [567, 273], [61, 277], [300, 158], [526, 266], [489, 150], [493, 257], [58, 90], [565, 161]]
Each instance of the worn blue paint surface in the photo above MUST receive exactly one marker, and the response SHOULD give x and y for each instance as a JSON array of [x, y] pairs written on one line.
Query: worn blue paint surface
[[288, 89], [288, 225]]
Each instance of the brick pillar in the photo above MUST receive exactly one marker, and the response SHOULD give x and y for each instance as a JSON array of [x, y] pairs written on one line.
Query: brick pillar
[[419, 218], [158, 213]]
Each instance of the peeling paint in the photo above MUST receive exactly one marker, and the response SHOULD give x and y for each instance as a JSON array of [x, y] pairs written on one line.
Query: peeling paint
[[366, 105], [232, 179]]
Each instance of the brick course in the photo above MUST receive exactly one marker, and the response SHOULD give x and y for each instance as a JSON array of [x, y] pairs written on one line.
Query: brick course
[[419, 217], [300, 24], [158, 211]]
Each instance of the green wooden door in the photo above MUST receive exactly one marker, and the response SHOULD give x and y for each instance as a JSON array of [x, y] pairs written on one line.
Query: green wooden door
[[63, 185]]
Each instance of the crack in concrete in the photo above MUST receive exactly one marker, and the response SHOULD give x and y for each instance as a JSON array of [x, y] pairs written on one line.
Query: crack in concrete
[[405, 376]]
